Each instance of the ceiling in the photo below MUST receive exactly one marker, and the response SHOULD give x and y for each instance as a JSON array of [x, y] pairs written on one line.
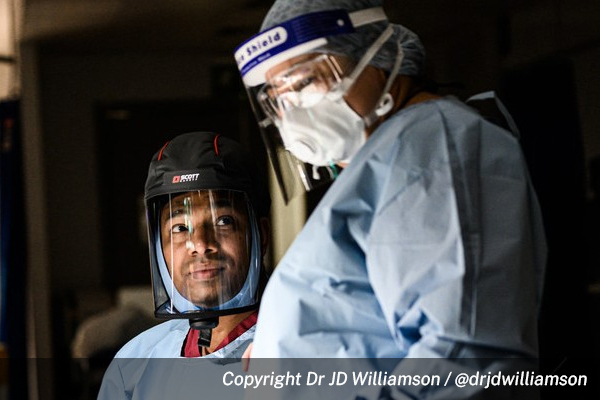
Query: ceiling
[[213, 26], [142, 24]]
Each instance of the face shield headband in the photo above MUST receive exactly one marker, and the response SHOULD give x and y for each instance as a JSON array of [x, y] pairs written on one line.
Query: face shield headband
[[297, 36], [170, 302]]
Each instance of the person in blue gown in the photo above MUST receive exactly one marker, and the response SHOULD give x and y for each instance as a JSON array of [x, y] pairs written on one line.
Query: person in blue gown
[[430, 241], [207, 212]]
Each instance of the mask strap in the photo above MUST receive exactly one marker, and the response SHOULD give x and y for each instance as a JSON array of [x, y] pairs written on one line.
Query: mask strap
[[364, 61], [386, 101]]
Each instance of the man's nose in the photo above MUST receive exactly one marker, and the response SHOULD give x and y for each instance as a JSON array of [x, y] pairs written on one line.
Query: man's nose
[[201, 240]]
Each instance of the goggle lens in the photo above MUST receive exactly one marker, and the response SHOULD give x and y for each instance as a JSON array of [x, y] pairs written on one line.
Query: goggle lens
[[303, 85]]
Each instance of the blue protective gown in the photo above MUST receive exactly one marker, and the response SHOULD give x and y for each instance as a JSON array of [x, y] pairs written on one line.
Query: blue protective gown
[[429, 244], [150, 366]]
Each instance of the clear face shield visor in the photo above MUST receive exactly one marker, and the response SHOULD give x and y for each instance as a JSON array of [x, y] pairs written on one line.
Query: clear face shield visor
[[297, 94], [205, 253], [298, 88]]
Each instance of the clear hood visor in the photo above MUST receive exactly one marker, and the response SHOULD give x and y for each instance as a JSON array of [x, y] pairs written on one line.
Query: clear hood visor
[[205, 253]]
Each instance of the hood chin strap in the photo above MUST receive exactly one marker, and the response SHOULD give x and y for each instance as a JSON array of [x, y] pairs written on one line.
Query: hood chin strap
[[204, 327]]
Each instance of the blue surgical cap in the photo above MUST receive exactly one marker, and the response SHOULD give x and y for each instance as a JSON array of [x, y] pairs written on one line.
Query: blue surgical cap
[[354, 45]]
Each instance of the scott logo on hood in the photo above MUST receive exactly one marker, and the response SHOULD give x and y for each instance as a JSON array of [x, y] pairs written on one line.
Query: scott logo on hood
[[185, 178]]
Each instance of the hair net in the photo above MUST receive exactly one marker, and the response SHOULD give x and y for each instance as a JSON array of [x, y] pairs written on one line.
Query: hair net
[[353, 45]]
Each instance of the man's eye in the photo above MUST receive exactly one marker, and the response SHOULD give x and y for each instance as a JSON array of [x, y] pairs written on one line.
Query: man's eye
[[179, 228], [225, 221]]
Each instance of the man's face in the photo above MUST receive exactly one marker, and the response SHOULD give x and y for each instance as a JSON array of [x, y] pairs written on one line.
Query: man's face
[[205, 243]]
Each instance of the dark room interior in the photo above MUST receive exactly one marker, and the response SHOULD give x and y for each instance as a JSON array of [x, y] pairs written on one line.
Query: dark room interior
[[103, 85]]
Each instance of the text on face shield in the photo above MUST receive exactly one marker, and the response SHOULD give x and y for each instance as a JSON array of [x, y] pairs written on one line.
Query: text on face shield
[[259, 45]]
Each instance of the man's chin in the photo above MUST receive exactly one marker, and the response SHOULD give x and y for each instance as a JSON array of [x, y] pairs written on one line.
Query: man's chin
[[210, 303]]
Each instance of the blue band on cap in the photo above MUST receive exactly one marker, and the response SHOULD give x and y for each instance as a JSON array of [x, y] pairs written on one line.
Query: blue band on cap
[[290, 34]]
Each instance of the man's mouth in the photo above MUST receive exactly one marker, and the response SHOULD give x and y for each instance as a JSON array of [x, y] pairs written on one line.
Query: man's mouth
[[205, 272]]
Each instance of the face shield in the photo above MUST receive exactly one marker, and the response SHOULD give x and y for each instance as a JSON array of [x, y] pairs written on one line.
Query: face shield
[[205, 253], [297, 94]]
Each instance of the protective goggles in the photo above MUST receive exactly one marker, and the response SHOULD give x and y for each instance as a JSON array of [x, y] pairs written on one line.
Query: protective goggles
[[205, 253], [302, 86]]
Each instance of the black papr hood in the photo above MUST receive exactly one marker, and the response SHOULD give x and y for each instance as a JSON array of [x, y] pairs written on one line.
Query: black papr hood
[[221, 163], [205, 161]]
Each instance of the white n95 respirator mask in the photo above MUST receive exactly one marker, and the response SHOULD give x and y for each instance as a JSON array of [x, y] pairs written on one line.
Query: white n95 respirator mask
[[329, 132]]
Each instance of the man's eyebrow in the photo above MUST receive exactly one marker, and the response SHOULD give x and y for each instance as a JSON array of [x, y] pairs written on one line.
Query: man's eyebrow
[[174, 211], [179, 209], [223, 203]]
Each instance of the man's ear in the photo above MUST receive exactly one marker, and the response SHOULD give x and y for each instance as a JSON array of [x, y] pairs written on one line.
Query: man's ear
[[264, 225]]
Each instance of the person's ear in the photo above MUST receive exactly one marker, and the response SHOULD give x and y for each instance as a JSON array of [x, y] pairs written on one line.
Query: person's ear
[[264, 225]]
